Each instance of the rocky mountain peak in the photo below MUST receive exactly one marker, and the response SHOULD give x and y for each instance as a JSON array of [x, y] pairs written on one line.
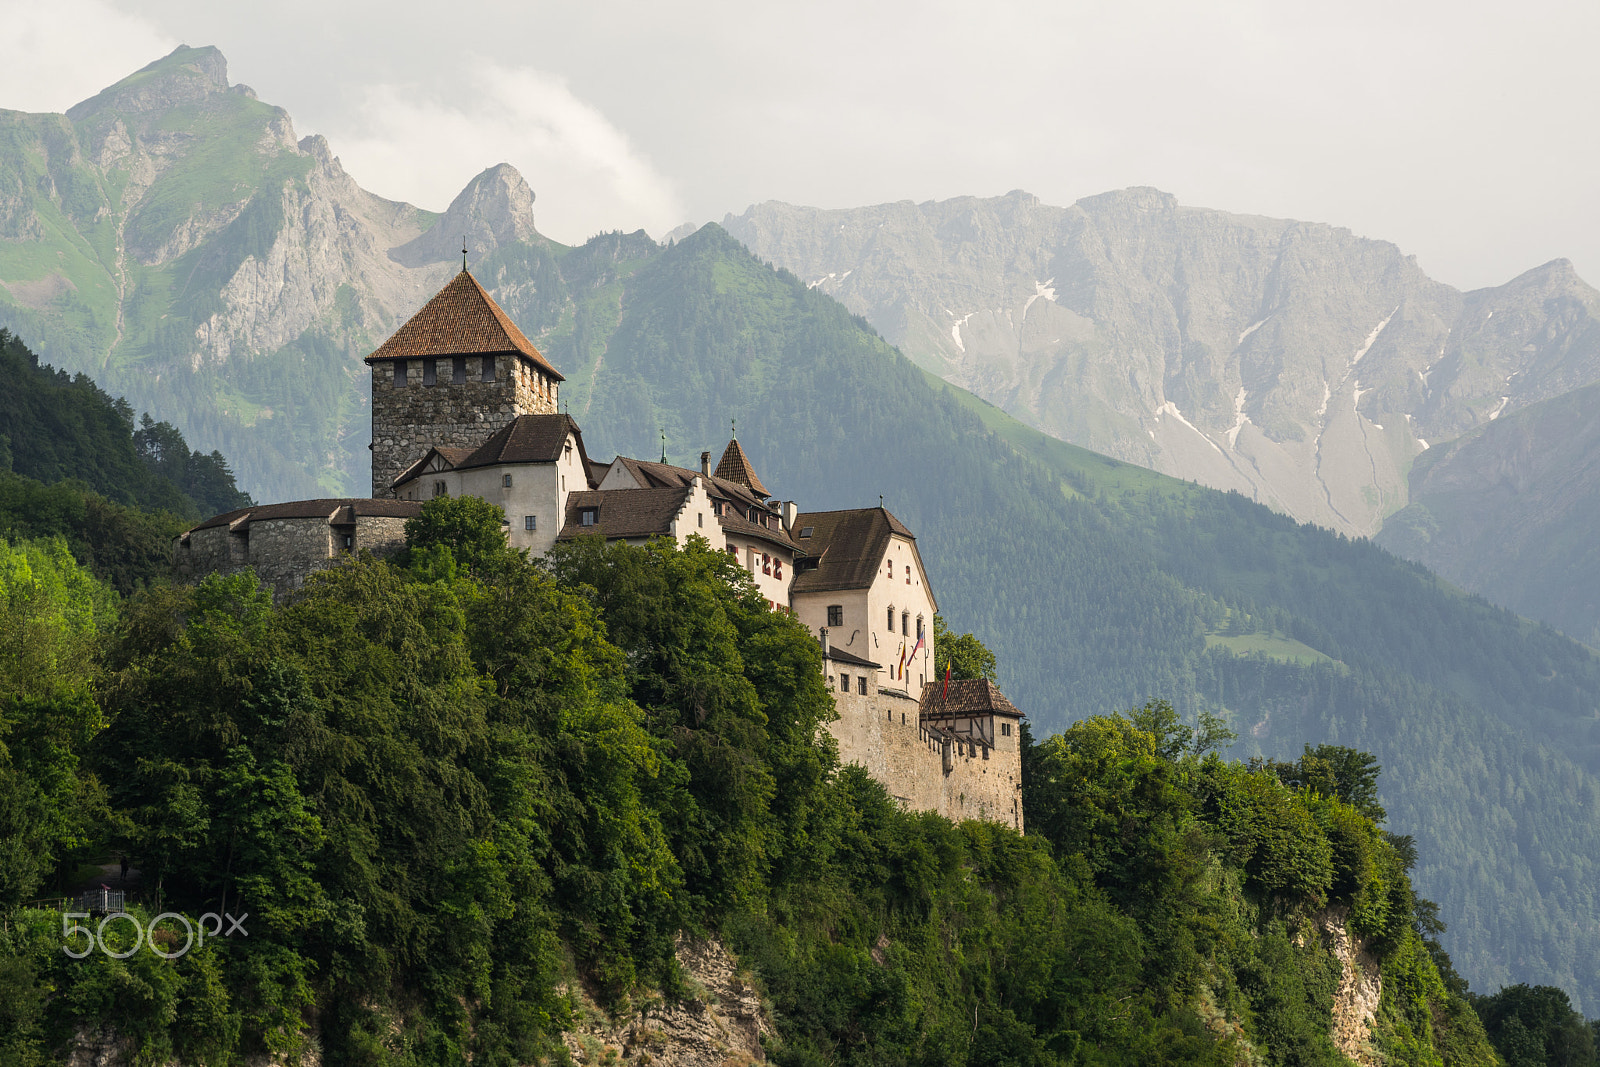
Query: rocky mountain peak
[[495, 208], [184, 76]]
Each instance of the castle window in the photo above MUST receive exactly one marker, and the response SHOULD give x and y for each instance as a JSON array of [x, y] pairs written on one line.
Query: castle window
[[1005, 729], [844, 683], [861, 685], [458, 370], [399, 374], [440, 490], [700, 519], [777, 569], [835, 614], [588, 516], [766, 563], [905, 624], [919, 627], [430, 372], [891, 618], [908, 574], [505, 481], [530, 522], [349, 541], [488, 368]]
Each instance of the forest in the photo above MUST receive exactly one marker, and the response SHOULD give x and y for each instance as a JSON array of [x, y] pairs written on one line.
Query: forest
[[452, 790]]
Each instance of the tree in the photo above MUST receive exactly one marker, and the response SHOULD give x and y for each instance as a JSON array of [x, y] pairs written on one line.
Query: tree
[[964, 655], [465, 531]]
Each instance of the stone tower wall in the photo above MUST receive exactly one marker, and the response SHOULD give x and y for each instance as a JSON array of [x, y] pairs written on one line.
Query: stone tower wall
[[408, 420]]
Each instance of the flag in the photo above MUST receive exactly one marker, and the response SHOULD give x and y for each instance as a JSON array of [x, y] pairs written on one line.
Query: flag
[[902, 660], [945, 694]]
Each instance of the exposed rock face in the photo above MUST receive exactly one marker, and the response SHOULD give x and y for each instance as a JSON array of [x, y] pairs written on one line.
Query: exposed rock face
[[721, 1026], [496, 208], [1355, 1005], [1295, 362]]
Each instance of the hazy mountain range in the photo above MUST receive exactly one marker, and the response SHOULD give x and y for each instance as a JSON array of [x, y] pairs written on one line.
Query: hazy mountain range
[[172, 238], [1297, 363]]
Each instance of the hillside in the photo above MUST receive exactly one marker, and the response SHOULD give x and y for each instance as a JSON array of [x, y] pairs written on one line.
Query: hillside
[[1510, 510], [1099, 584]]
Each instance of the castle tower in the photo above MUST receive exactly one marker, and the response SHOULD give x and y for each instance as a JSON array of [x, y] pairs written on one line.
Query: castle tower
[[458, 371]]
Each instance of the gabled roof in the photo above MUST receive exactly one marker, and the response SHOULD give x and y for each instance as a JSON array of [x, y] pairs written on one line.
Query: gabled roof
[[331, 509], [652, 475], [452, 458], [735, 466], [623, 512], [528, 439], [461, 319], [967, 696], [850, 545]]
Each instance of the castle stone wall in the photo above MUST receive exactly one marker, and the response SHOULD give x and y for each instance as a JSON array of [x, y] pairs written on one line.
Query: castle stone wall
[[284, 552], [408, 420], [925, 769]]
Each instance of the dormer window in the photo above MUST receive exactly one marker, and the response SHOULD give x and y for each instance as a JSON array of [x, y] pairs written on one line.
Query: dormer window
[[806, 531], [588, 516]]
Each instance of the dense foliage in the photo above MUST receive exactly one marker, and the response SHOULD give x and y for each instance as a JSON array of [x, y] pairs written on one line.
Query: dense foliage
[[55, 427], [1102, 586], [444, 790]]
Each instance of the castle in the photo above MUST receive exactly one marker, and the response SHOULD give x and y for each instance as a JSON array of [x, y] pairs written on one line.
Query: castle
[[464, 404]]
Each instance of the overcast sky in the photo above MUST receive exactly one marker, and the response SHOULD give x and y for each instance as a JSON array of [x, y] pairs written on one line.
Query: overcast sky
[[1463, 131]]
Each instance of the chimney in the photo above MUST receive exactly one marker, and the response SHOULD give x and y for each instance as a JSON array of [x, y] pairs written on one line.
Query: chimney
[[824, 635], [705, 464], [791, 511]]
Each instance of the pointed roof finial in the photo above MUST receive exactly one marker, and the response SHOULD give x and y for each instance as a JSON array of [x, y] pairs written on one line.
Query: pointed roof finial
[[663, 444], [735, 424], [463, 253], [880, 500]]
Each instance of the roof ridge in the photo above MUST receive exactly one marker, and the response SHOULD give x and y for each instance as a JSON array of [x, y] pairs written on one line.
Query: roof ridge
[[453, 323]]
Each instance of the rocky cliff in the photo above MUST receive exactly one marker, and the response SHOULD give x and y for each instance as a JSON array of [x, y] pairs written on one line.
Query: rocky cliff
[[1295, 362], [173, 237]]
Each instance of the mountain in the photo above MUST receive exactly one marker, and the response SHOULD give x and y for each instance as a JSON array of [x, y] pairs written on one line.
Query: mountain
[[228, 277], [1510, 510], [1300, 364], [172, 238]]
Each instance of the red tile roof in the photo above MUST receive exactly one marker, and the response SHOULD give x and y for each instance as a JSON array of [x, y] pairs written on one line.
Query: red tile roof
[[967, 696], [461, 319], [735, 467], [623, 512]]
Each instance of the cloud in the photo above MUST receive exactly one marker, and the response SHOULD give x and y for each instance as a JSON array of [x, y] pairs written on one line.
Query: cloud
[[587, 176], [67, 50]]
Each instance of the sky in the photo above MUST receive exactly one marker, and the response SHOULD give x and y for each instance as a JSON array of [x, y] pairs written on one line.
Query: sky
[[1464, 132]]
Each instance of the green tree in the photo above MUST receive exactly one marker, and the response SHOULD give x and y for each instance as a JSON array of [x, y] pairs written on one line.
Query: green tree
[[963, 655]]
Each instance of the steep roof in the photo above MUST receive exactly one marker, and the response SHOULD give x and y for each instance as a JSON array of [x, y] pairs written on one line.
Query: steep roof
[[735, 466], [850, 545], [461, 319], [528, 439], [623, 512], [839, 655], [452, 458], [323, 508], [967, 696], [652, 475]]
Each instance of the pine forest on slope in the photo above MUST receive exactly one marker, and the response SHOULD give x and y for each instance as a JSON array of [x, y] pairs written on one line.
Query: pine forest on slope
[[173, 238]]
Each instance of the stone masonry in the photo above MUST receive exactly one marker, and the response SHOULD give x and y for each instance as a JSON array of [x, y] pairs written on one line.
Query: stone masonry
[[460, 409]]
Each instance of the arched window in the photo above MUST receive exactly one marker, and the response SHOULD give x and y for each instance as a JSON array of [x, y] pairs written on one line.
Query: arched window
[[891, 618], [905, 624], [919, 628]]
